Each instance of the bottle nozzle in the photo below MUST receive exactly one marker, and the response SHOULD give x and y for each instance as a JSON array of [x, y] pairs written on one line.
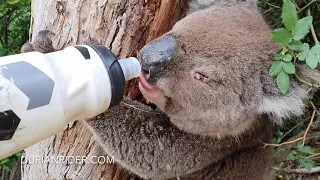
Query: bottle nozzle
[[131, 67]]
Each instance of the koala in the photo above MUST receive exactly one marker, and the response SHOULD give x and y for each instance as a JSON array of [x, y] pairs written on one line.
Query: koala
[[209, 76]]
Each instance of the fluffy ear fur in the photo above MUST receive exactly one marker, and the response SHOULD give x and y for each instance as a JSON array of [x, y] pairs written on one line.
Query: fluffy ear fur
[[278, 106]]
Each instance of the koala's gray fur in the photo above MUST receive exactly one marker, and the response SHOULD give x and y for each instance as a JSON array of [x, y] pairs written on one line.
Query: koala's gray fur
[[197, 5], [215, 128], [149, 145]]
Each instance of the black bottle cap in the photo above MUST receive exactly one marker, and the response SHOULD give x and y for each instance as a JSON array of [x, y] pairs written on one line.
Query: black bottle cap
[[115, 72]]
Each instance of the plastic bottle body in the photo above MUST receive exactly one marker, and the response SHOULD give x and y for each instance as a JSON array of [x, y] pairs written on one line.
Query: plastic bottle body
[[41, 93]]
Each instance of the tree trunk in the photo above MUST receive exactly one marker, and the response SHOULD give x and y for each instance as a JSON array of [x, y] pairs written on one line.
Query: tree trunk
[[124, 26]]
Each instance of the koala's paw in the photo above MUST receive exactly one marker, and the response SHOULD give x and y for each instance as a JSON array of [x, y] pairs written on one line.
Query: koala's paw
[[42, 43], [27, 47]]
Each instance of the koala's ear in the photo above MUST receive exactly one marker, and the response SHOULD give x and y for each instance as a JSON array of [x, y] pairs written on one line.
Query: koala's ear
[[269, 85], [278, 106]]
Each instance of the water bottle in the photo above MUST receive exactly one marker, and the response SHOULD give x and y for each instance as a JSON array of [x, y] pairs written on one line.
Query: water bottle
[[41, 93]]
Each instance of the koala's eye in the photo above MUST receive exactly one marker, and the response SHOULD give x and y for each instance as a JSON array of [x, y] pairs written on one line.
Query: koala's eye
[[201, 76]]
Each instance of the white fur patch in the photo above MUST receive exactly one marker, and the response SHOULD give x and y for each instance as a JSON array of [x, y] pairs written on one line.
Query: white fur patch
[[236, 131], [284, 106]]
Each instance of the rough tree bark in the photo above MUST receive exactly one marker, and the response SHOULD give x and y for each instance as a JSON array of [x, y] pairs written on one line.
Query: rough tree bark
[[124, 26]]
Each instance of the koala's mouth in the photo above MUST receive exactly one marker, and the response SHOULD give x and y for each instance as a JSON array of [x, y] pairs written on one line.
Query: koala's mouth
[[150, 92], [144, 85]]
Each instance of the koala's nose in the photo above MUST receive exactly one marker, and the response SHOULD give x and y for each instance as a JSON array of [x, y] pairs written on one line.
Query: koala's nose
[[158, 53]]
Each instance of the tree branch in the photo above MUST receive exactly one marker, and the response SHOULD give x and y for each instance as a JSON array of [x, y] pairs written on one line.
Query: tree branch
[[313, 32], [301, 138], [307, 6], [310, 124], [299, 171], [307, 83]]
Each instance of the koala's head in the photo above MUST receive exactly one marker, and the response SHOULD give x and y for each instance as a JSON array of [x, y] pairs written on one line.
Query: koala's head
[[210, 72]]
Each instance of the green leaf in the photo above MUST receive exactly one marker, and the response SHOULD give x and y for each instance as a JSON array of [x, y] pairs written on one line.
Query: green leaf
[[4, 161], [289, 68], [291, 157], [5, 168], [302, 56], [4, 10], [3, 52], [3, 4], [19, 154], [283, 82], [289, 15], [276, 68], [305, 47], [315, 49], [312, 61], [277, 57], [305, 149], [302, 28], [287, 58], [13, 1], [11, 53], [277, 140], [307, 165], [295, 45], [281, 36]]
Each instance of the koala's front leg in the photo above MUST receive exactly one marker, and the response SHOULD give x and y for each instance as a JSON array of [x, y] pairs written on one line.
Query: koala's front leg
[[150, 146], [146, 143]]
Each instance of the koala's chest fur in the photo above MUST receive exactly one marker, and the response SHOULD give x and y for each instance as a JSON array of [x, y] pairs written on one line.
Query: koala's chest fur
[[150, 146]]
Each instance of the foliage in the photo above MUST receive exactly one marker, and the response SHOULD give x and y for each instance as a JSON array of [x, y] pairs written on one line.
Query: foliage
[[8, 163], [14, 25], [290, 38], [277, 139], [302, 156], [291, 21]]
